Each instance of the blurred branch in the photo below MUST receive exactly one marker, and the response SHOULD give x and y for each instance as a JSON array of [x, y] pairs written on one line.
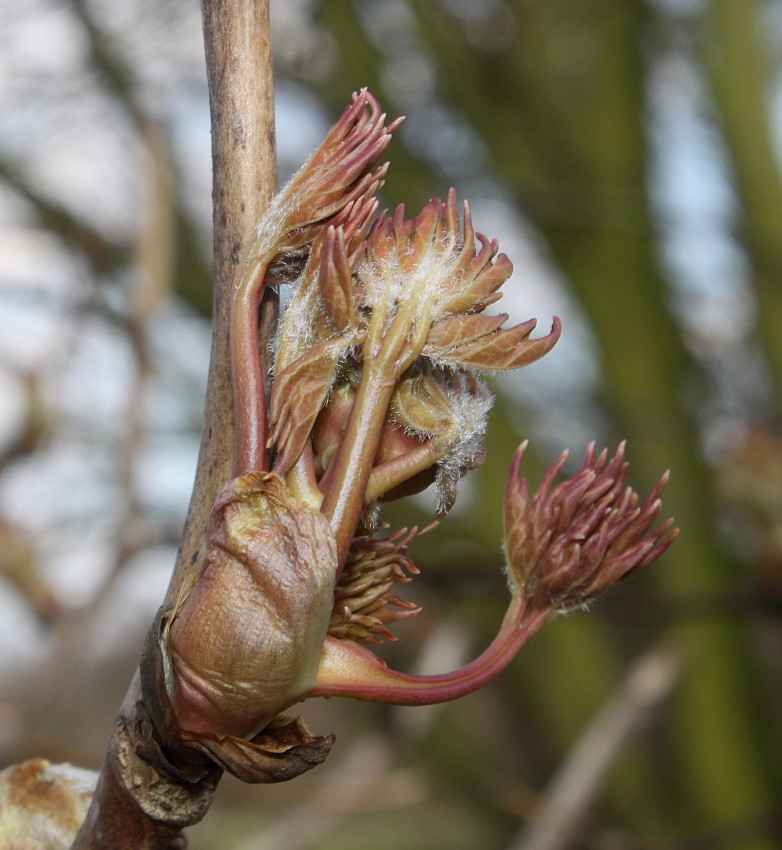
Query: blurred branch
[[554, 823], [54, 217], [112, 70], [191, 271], [151, 288], [741, 75], [362, 777], [19, 565]]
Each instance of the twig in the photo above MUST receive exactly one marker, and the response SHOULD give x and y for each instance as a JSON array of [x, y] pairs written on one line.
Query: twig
[[573, 788], [238, 61], [134, 805]]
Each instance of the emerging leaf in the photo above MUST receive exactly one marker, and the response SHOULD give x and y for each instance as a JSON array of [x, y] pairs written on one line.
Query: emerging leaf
[[566, 545]]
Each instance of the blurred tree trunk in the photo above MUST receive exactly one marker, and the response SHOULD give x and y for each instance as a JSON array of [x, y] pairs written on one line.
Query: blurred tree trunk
[[581, 73], [739, 62], [561, 109]]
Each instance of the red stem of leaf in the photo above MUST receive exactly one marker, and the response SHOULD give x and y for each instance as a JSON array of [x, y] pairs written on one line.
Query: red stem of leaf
[[247, 375]]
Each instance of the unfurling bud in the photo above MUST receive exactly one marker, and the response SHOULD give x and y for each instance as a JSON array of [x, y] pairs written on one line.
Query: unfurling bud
[[566, 546], [245, 638], [363, 595], [374, 396], [338, 173]]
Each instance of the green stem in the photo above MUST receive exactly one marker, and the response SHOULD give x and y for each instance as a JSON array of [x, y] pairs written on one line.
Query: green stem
[[390, 474], [346, 482]]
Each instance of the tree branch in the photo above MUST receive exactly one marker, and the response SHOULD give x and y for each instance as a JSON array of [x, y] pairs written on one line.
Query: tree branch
[[135, 804], [238, 61], [554, 823]]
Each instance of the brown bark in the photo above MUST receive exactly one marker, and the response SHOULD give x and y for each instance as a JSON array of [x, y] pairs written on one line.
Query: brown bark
[[135, 805], [238, 61]]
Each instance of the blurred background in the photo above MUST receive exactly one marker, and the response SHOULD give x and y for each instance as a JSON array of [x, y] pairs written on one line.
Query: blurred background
[[627, 156]]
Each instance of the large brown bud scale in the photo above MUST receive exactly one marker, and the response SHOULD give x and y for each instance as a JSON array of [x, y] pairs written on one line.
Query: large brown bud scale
[[245, 639]]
